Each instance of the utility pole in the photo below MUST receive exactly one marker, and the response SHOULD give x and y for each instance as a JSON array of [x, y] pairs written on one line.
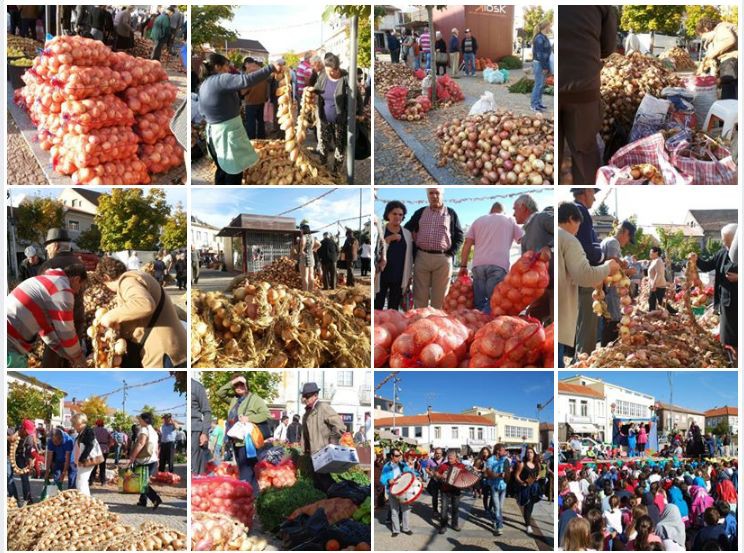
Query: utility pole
[[352, 103], [124, 397], [396, 380]]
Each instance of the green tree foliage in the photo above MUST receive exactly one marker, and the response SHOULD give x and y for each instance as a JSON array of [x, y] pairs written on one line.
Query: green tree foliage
[[533, 15], [730, 14], [207, 25], [720, 429], [130, 219], [292, 58], [643, 242], [157, 420], [265, 384], [122, 421], [711, 247], [95, 408], [175, 230], [34, 216], [693, 14], [29, 402], [364, 29], [236, 58], [90, 239], [676, 245], [648, 18], [602, 210], [180, 381]]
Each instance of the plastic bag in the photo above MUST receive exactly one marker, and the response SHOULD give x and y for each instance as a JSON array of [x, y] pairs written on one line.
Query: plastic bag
[[129, 482], [650, 150], [649, 117], [306, 530], [485, 103], [510, 342], [494, 76], [431, 342], [350, 490]]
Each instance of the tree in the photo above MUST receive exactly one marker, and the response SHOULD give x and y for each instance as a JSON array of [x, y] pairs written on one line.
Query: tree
[[643, 242], [94, 408], [364, 31], [180, 381], [34, 216], [157, 420], [730, 14], [693, 14], [90, 239], [676, 245], [130, 219], [293, 59], [652, 19], [206, 25], [533, 15], [30, 402], [720, 429], [175, 231], [265, 384], [122, 421], [711, 247], [602, 210]]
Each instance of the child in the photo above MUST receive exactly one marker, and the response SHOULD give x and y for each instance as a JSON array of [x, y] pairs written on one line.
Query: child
[[614, 517]]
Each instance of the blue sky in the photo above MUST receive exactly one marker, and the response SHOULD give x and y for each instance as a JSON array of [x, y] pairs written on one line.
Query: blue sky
[[452, 392], [700, 390], [217, 209], [83, 384], [173, 194]]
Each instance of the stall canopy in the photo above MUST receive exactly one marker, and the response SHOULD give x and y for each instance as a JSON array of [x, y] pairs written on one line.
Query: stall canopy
[[620, 432], [584, 428]]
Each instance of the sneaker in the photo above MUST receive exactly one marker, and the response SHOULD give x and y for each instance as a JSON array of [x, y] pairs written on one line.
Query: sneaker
[[408, 532], [499, 531], [529, 530], [394, 535]]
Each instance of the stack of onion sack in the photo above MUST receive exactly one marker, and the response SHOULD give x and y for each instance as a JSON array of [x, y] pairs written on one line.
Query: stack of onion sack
[[526, 281], [216, 532], [83, 99], [510, 342], [460, 294], [280, 475], [217, 494], [273, 326], [430, 342]]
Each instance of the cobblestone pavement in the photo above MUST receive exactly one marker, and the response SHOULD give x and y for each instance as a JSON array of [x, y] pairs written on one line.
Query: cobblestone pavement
[[22, 165], [476, 533], [397, 169]]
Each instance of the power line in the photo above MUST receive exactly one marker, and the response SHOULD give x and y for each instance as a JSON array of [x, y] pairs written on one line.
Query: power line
[[170, 408], [331, 191], [341, 221], [130, 386]]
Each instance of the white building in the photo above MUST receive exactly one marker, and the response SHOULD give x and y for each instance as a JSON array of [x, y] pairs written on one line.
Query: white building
[[81, 206], [15, 378], [445, 430], [335, 39], [619, 402], [386, 408], [581, 410], [717, 415], [509, 429], [204, 237], [672, 418]]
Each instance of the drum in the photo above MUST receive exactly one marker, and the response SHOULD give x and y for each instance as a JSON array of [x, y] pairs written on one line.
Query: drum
[[407, 488]]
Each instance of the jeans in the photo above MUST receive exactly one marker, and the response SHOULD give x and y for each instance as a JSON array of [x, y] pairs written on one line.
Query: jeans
[[450, 502], [537, 90], [498, 497], [71, 477], [253, 121], [246, 467], [117, 453], [12, 490], [485, 279], [416, 62], [395, 519], [427, 57], [469, 59]]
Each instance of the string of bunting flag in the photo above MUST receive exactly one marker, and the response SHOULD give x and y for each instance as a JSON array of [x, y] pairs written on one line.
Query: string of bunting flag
[[475, 199]]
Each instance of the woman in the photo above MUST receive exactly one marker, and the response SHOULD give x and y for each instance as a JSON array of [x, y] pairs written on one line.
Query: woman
[[244, 407], [307, 249], [87, 452], [671, 527], [145, 317], [657, 280], [396, 259], [526, 475], [159, 270], [632, 439], [441, 57], [485, 487], [541, 50], [219, 103], [645, 536], [332, 92], [677, 499], [577, 536], [350, 250], [720, 40], [24, 457], [144, 459], [181, 268], [573, 271], [642, 440], [366, 257]]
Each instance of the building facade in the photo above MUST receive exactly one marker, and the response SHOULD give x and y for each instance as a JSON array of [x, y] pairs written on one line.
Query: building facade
[[672, 418], [386, 408], [15, 378], [726, 414], [509, 429], [466, 433], [204, 237], [581, 410]]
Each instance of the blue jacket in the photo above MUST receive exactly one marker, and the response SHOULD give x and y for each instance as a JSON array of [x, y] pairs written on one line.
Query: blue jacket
[[541, 50], [675, 497], [454, 44], [387, 473], [588, 237]]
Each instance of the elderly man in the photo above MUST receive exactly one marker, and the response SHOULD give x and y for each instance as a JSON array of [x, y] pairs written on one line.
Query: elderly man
[[612, 249], [167, 443], [437, 235], [30, 265], [538, 237], [59, 459], [492, 235], [201, 421], [454, 53], [725, 285]]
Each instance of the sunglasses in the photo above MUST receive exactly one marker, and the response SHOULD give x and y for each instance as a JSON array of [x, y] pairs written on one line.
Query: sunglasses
[[397, 455]]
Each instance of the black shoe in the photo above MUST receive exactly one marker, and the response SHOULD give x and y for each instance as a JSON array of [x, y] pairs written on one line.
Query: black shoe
[[443, 529], [156, 504], [408, 532], [394, 535], [457, 528], [141, 504]]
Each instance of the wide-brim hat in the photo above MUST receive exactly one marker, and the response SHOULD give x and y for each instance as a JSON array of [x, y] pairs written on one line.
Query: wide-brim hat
[[56, 235], [310, 388]]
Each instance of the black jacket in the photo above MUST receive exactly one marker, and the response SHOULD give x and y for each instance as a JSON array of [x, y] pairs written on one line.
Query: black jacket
[[328, 251], [27, 270], [85, 441], [457, 236], [475, 45], [341, 96], [726, 293], [294, 432]]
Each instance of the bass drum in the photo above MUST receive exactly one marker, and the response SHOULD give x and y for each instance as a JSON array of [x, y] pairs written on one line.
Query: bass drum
[[407, 488]]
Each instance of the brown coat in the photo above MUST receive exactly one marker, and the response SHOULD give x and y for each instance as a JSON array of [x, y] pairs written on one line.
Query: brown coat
[[322, 425], [137, 299]]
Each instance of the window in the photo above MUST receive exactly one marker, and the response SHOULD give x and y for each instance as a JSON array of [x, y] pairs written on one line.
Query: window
[[405, 431], [73, 225], [417, 432], [345, 378], [455, 433], [572, 407], [472, 432], [437, 432], [630, 409], [584, 408], [480, 433], [516, 432]]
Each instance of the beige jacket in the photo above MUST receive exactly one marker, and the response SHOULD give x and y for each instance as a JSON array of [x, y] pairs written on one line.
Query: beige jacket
[[573, 271], [656, 273], [322, 425], [137, 299]]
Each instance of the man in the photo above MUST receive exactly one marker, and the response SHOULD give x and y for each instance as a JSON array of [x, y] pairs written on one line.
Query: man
[[328, 255], [167, 261], [321, 426], [105, 440], [575, 445], [450, 494], [294, 430], [120, 444], [437, 235], [492, 235], [201, 421], [725, 285], [361, 436], [425, 48], [586, 324], [304, 71], [454, 53], [30, 265], [180, 440], [160, 33], [124, 25], [280, 432], [538, 237], [399, 512], [316, 62], [133, 263], [497, 472], [612, 249], [254, 99], [433, 486], [59, 460], [582, 45], [43, 306], [469, 49], [636, 276], [632, 43], [393, 45], [58, 246], [216, 439], [167, 443], [176, 21], [721, 43]]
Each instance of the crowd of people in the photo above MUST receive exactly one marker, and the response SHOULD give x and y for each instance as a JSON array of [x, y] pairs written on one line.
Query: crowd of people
[[79, 454], [49, 306], [584, 262], [415, 260], [323, 258], [240, 104], [524, 476], [649, 505]]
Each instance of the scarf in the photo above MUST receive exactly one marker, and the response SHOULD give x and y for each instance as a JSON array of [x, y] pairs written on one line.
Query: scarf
[[670, 526]]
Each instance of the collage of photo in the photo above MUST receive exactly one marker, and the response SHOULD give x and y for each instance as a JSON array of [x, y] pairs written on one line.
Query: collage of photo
[[365, 277]]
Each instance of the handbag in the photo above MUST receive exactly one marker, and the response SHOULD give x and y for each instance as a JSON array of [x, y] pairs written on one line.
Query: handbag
[[442, 57], [95, 457], [135, 350], [146, 452]]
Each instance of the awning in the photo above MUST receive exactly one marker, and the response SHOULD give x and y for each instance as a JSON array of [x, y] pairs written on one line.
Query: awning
[[584, 428]]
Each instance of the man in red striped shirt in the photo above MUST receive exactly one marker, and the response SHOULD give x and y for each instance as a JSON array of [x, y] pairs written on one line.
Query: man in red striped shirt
[[304, 71], [42, 307]]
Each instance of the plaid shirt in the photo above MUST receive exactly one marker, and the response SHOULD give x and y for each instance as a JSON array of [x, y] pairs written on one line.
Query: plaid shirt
[[434, 230]]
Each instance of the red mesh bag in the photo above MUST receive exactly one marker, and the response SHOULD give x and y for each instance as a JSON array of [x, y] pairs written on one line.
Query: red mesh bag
[[137, 71], [123, 171], [526, 281], [83, 116], [154, 126], [431, 342], [548, 347], [97, 147], [459, 295], [78, 82], [150, 97], [396, 98], [71, 50], [508, 342], [283, 475], [227, 496], [162, 156]]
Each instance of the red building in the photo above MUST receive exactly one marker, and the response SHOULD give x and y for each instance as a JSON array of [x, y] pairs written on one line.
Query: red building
[[492, 26]]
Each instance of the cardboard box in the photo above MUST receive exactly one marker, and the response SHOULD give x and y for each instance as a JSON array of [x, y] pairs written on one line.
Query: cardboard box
[[334, 458]]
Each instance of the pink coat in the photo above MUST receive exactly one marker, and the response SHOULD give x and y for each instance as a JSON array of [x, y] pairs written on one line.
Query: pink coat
[[701, 500], [642, 436]]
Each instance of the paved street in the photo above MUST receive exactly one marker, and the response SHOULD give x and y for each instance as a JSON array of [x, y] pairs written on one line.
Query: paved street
[[477, 529], [213, 281]]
